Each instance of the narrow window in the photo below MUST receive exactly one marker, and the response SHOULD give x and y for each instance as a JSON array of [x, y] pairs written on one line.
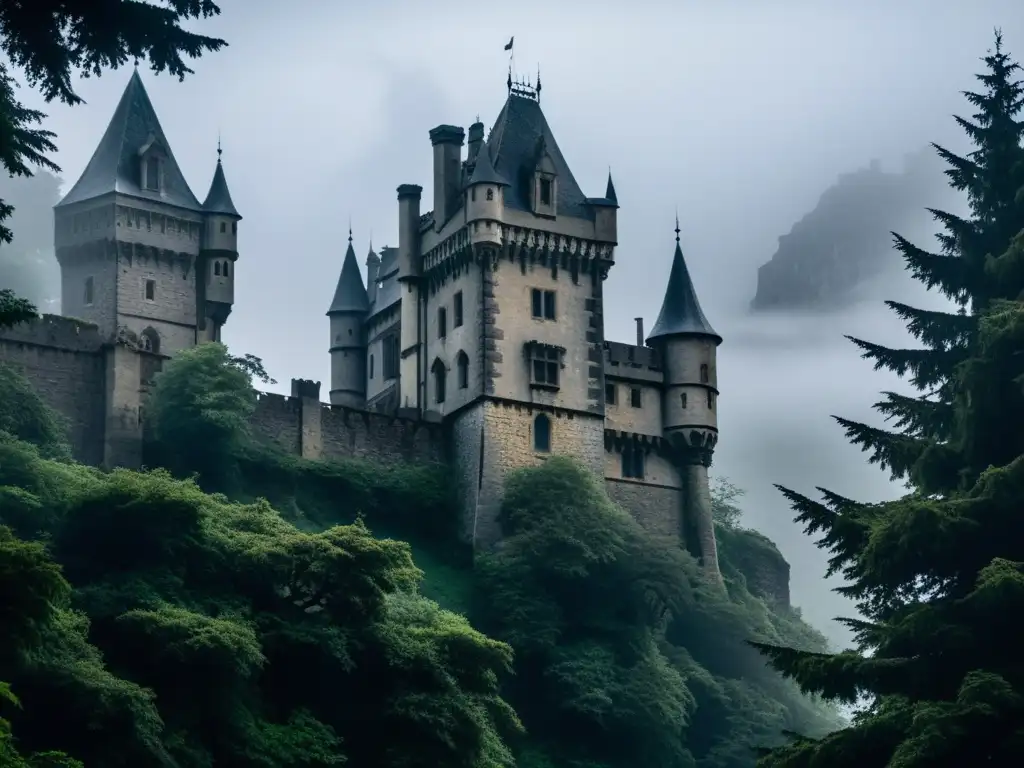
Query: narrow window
[[711, 400], [440, 375], [442, 322], [542, 433], [371, 366], [633, 462], [704, 377], [682, 400], [390, 345], [150, 290], [234, 227], [216, 268], [163, 225], [457, 319], [472, 194], [545, 191], [88, 291], [463, 366], [225, 270], [490, 194], [609, 394], [537, 296], [636, 397], [223, 226], [549, 305], [152, 173]]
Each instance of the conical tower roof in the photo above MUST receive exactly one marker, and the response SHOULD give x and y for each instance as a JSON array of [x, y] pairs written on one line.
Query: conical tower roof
[[609, 192], [483, 171], [350, 295], [681, 314], [218, 199], [114, 166]]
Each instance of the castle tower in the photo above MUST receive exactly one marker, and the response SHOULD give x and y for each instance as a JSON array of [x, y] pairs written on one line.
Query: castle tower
[[218, 257], [688, 345], [485, 203], [411, 362], [128, 233], [348, 347]]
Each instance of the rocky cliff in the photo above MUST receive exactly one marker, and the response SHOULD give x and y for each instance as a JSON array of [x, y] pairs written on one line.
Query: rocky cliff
[[846, 239]]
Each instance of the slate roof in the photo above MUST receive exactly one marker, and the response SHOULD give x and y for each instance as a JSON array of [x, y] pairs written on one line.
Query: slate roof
[[218, 199], [114, 166], [681, 314], [519, 135], [483, 171], [609, 192], [389, 292], [350, 295]]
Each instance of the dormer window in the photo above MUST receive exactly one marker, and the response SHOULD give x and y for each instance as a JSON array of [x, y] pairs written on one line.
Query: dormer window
[[152, 173], [545, 191], [545, 184]]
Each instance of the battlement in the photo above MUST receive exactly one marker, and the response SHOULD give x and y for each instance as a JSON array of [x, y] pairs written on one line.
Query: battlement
[[64, 333], [632, 362]]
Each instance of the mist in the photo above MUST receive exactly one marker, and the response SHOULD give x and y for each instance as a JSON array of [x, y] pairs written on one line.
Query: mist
[[737, 115]]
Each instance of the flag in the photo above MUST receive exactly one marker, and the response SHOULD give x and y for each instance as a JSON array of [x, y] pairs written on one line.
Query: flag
[[508, 47]]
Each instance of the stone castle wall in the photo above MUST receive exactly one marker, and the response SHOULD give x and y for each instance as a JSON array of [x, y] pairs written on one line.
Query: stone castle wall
[[64, 360]]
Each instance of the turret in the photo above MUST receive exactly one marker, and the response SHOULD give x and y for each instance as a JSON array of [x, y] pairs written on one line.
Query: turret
[[372, 274], [348, 347], [218, 256], [606, 213], [687, 345], [485, 200]]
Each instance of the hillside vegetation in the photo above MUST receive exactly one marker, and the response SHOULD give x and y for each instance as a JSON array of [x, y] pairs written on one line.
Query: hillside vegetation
[[236, 609]]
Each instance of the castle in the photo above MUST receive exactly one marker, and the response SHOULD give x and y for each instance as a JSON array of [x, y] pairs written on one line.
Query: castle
[[477, 341]]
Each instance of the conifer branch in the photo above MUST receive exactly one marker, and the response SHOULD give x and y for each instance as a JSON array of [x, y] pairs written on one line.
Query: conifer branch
[[892, 451], [947, 273], [928, 367]]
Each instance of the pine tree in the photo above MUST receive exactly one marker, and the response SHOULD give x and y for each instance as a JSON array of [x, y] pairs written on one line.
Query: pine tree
[[939, 574]]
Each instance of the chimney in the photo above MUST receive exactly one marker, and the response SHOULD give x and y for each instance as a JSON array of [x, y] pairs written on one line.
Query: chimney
[[408, 230], [639, 331], [447, 141], [372, 275], [476, 140]]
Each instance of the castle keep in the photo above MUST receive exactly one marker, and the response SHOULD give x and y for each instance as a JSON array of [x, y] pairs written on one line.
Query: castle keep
[[478, 340]]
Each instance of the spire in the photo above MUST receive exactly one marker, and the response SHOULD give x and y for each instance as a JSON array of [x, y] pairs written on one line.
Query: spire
[[681, 314], [609, 192], [483, 171], [350, 295], [218, 199], [115, 166]]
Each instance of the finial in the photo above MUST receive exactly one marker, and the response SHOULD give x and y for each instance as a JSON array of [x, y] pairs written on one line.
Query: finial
[[219, 150], [371, 239], [538, 81], [509, 81], [350, 230], [136, 63], [677, 226]]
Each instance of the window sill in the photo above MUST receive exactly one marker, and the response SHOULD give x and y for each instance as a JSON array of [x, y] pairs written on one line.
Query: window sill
[[548, 387]]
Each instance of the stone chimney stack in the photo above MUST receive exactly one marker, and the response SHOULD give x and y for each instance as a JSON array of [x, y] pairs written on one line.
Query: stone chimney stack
[[408, 230], [476, 140], [447, 141]]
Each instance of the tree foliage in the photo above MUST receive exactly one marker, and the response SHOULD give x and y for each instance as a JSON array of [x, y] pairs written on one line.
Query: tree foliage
[[939, 574]]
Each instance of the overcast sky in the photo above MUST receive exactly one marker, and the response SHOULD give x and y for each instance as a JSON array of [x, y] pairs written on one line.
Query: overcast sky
[[738, 113]]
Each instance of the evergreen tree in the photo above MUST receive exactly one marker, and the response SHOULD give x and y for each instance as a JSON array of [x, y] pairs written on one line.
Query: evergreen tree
[[939, 574]]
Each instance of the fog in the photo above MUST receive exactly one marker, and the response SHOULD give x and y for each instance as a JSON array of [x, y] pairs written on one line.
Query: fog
[[736, 114]]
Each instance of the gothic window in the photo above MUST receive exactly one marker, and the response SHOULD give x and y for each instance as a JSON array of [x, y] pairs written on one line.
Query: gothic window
[[682, 400], [636, 398], [442, 322], [88, 291], [216, 268], [225, 269], [633, 462], [545, 191], [223, 226], [150, 341], [152, 173], [390, 356], [371, 366], [490, 194], [440, 379], [704, 376], [457, 319], [609, 394], [542, 304], [542, 433], [545, 364], [711, 400], [150, 290], [463, 368]]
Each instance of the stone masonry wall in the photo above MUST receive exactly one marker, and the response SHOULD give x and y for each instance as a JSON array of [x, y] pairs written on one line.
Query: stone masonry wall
[[64, 361]]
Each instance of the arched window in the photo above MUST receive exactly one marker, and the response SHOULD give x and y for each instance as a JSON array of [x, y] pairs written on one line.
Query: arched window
[[440, 376], [149, 339], [216, 268], [704, 376], [542, 433], [225, 270], [463, 368], [490, 194], [223, 226]]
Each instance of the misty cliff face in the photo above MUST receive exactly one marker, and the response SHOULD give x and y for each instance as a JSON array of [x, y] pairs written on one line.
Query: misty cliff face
[[846, 239]]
